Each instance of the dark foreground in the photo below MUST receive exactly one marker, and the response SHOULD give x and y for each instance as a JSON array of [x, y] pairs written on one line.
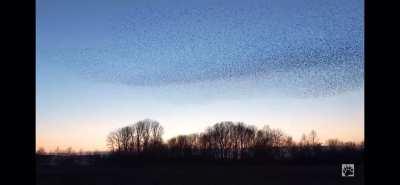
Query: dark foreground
[[197, 174]]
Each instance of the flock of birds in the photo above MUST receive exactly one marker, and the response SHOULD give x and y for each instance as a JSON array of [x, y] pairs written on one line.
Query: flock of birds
[[310, 47]]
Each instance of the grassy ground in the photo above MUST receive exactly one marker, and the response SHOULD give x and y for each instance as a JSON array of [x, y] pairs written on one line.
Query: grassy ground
[[205, 174]]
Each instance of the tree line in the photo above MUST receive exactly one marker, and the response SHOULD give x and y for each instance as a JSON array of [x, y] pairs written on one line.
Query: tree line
[[226, 141], [144, 136]]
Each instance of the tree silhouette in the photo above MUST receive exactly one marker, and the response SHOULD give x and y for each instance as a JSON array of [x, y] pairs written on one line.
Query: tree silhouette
[[225, 141], [143, 136], [41, 151]]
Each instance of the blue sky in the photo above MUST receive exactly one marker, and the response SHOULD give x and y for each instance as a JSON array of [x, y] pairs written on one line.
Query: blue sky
[[188, 64]]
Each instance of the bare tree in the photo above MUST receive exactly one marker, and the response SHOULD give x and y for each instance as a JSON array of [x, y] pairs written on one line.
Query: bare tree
[[69, 151], [225, 140], [41, 151], [124, 137], [156, 131], [334, 144], [313, 138], [112, 142], [144, 135], [220, 138]]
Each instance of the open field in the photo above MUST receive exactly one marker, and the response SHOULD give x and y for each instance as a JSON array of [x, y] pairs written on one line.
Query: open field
[[197, 174]]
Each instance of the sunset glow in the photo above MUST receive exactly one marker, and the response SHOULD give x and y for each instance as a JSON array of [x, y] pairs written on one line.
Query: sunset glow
[[296, 66]]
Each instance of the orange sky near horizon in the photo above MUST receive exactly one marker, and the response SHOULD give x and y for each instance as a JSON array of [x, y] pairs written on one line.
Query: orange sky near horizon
[[292, 65]]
